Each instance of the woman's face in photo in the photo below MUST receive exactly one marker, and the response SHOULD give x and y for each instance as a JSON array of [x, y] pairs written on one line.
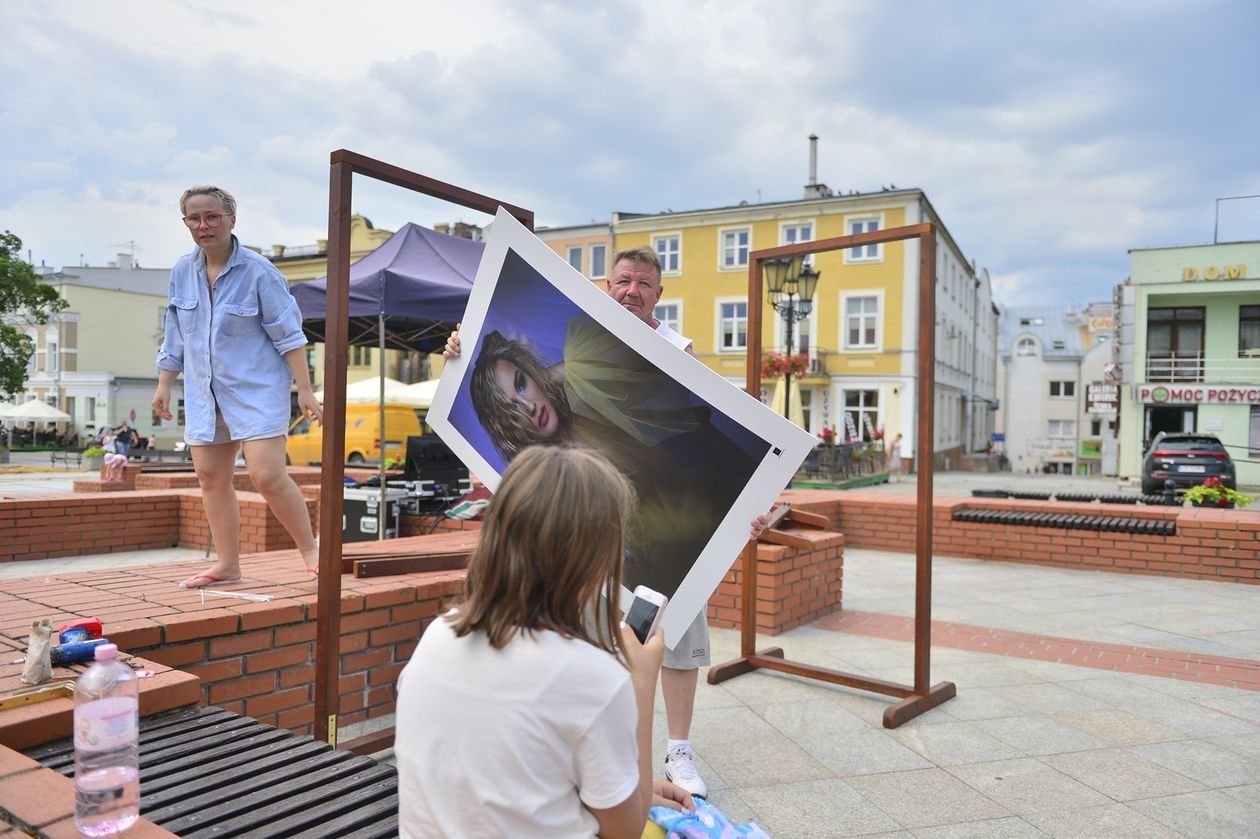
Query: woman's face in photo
[[527, 396]]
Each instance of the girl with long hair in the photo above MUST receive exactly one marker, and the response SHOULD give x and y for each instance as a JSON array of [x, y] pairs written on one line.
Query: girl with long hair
[[527, 710]]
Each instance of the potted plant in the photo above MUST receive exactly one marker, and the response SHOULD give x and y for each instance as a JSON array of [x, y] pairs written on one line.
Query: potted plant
[[93, 458], [1212, 493]]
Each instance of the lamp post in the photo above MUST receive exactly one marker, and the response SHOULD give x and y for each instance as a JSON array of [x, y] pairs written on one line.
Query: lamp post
[[790, 280]]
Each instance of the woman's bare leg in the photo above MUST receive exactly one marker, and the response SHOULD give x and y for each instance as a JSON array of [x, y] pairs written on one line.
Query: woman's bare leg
[[265, 459], [215, 466]]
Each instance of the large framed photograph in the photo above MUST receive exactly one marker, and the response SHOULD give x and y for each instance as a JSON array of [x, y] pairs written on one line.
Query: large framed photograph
[[705, 458]]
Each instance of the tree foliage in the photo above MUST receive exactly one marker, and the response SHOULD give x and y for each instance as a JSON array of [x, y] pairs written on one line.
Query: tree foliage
[[23, 299]]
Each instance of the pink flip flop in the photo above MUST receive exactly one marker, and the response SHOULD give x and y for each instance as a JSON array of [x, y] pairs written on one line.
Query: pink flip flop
[[207, 580]]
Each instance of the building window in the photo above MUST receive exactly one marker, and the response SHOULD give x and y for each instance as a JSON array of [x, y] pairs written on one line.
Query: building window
[[861, 322], [1248, 331], [1062, 428], [669, 252], [1174, 344], [574, 255], [1026, 346], [669, 314], [1063, 389], [734, 248], [599, 262], [807, 407], [360, 356], [1095, 427], [863, 253], [732, 326], [861, 414], [52, 360], [793, 233], [1253, 436]]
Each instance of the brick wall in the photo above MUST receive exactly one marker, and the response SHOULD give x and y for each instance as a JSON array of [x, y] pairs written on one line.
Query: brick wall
[[75, 524], [261, 531], [794, 587], [37, 527], [258, 658], [1209, 544]]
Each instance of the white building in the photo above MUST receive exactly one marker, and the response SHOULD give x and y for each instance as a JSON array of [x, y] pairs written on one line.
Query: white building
[[1058, 409], [96, 360]]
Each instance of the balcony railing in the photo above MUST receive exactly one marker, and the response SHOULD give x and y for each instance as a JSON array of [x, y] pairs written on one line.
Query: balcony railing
[[1195, 367], [837, 462]]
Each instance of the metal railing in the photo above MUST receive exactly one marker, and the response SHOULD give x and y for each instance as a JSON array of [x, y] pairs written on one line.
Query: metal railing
[[842, 461], [1195, 367]]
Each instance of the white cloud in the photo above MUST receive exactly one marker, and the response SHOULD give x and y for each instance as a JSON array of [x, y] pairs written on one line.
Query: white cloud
[[1051, 138]]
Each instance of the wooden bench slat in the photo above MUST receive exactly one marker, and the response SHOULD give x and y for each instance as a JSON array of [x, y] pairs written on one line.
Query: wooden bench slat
[[295, 810], [171, 784], [380, 815], [209, 772], [232, 791]]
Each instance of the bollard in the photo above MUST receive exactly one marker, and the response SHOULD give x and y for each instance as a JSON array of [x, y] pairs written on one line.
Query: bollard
[[1170, 493]]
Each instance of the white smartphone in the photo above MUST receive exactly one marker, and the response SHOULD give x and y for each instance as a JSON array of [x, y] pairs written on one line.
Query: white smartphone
[[645, 611]]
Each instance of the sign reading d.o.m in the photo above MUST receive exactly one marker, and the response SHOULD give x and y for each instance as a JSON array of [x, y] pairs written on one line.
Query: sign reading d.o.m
[[1191, 274]]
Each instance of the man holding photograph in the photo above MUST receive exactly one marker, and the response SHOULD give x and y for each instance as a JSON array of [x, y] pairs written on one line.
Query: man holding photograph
[[635, 283]]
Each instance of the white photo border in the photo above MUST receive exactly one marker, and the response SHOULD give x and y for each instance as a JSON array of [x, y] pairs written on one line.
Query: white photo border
[[788, 443]]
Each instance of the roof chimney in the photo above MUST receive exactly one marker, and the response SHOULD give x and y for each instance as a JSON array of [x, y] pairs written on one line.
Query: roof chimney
[[813, 189]]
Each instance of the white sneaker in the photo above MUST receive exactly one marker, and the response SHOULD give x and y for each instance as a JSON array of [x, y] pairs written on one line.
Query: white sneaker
[[680, 769]]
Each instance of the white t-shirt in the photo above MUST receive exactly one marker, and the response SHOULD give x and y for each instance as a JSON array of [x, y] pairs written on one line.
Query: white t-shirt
[[512, 742], [677, 340]]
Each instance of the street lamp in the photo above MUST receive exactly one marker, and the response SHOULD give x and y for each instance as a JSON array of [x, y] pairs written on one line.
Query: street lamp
[[790, 280]]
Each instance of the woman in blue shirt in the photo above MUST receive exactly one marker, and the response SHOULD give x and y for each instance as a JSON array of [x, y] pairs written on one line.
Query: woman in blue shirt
[[235, 332]]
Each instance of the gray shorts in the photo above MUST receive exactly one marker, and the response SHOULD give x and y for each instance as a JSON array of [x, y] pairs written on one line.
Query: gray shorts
[[223, 435], [693, 650]]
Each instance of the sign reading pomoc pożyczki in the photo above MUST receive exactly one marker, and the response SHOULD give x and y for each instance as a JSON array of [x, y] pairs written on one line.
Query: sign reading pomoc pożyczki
[[1197, 394]]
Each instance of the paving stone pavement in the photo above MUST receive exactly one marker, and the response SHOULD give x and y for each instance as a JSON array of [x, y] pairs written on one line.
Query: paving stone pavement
[[1029, 747]]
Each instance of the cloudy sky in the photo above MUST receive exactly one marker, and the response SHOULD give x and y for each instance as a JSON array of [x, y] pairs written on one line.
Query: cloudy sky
[[1052, 137]]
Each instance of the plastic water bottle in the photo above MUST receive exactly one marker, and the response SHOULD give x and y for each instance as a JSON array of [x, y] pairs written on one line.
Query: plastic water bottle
[[106, 746]]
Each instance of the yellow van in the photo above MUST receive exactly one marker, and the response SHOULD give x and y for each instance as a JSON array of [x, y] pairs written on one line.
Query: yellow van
[[363, 437]]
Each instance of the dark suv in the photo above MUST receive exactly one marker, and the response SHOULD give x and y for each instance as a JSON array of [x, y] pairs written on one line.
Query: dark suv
[[1186, 459]]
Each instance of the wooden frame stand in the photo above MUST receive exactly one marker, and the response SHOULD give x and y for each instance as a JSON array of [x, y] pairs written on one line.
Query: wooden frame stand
[[344, 165], [919, 697]]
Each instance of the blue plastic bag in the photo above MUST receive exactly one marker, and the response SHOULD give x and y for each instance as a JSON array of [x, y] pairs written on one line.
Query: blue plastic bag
[[707, 822]]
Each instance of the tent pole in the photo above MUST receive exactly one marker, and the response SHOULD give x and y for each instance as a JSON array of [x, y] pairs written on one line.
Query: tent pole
[[380, 360]]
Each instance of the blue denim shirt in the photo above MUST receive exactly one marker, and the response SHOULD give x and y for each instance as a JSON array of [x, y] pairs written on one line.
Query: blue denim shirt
[[230, 344]]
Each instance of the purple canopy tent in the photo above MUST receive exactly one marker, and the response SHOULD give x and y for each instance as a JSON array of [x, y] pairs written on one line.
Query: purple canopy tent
[[408, 294]]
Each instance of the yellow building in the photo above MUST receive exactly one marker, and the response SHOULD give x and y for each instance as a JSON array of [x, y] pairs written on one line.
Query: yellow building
[[861, 335]]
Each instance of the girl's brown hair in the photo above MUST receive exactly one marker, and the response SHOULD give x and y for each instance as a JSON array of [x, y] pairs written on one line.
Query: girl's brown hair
[[551, 544], [509, 429]]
